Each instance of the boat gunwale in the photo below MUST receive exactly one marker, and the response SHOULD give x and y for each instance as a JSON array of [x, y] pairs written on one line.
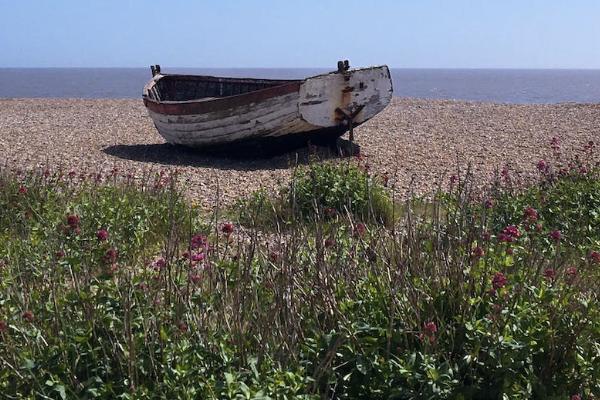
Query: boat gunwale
[[201, 106]]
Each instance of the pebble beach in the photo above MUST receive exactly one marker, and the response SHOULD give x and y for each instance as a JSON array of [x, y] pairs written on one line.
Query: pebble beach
[[417, 143]]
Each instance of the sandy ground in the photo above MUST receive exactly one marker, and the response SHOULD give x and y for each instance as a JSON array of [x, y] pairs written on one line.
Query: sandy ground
[[422, 139]]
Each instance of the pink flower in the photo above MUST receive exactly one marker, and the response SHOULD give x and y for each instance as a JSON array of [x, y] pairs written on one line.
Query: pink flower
[[360, 229], [227, 228], [550, 274], [102, 235], [28, 316], [111, 255], [595, 257], [478, 252], [530, 214], [198, 257], [555, 235], [430, 328], [576, 397], [59, 254], [542, 166], [509, 234], [3, 326], [194, 278], [571, 274], [499, 280], [198, 241], [73, 221], [159, 263], [510, 251], [22, 190]]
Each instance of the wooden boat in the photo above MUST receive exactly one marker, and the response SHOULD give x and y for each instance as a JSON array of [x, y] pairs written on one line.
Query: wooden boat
[[199, 111]]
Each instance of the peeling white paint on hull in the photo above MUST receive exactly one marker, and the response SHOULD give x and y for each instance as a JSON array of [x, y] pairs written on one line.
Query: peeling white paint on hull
[[263, 108]]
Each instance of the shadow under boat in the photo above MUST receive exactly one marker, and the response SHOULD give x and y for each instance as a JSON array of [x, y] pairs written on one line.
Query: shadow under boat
[[255, 154]]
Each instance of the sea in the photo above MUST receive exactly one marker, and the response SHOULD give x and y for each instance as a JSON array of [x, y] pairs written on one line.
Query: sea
[[520, 86]]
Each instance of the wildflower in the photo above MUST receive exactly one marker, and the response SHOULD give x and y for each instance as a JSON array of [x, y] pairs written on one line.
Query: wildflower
[[182, 326], [59, 254], [198, 241], [530, 214], [430, 328], [194, 278], [478, 252], [159, 263], [510, 251], [22, 190], [538, 227], [28, 316], [111, 255], [576, 397], [555, 235], [505, 173], [102, 235], [542, 166], [330, 212], [571, 273], [273, 256], [227, 228], [73, 221], [595, 256], [509, 234], [550, 274], [555, 144], [499, 280], [3, 326], [198, 257], [329, 242], [360, 229]]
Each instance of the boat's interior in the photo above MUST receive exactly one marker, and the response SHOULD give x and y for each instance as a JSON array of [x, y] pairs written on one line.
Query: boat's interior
[[191, 87]]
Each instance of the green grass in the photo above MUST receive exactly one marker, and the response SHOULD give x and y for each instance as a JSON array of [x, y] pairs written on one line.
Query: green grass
[[429, 300]]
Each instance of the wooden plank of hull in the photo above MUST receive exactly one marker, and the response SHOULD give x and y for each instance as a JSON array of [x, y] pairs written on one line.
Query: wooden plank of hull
[[275, 117], [310, 108]]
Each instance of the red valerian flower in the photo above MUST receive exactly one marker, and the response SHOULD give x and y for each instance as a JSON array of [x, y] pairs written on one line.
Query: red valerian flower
[[73, 221], [555, 235], [102, 235], [499, 280], [111, 255], [576, 397], [198, 241], [198, 257], [509, 234], [28, 316], [3, 326], [530, 214], [227, 228], [430, 328], [542, 166], [22, 190], [159, 263], [360, 229], [478, 252], [550, 274], [194, 278], [595, 257], [182, 326], [571, 274], [59, 254]]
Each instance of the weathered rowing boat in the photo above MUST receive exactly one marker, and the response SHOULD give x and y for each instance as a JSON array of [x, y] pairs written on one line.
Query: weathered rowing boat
[[200, 111]]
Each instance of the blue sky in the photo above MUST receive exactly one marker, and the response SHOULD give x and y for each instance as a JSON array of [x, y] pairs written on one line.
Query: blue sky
[[310, 33]]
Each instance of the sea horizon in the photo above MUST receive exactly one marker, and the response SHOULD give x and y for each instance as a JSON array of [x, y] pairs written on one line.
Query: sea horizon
[[497, 85]]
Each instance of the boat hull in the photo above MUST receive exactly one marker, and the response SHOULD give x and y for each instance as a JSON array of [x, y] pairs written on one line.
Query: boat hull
[[315, 106]]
